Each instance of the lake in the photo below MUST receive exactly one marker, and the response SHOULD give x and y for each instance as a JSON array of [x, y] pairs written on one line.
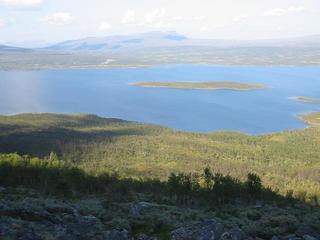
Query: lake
[[107, 92]]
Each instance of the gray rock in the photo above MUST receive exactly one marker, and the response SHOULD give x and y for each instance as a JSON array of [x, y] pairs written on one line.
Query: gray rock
[[59, 209], [42, 219], [234, 234], [117, 235], [206, 230], [2, 189], [304, 230], [144, 237], [307, 237], [291, 237], [137, 208]]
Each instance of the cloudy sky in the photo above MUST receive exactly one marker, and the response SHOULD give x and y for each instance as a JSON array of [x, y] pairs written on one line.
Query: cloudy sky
[[58, 20]]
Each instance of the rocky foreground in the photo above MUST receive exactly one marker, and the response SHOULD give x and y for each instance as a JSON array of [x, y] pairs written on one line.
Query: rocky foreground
[[26, 215]]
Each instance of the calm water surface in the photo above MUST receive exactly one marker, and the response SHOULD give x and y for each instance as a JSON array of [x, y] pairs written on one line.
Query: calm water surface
[[106, 92]]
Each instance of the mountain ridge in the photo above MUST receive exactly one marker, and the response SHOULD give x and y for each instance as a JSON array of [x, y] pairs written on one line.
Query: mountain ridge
[[169, 39], [7, 48]]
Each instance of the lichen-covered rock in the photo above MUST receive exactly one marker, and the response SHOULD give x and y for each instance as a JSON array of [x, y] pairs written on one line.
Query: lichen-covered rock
[[46, 219], [137, 208], [118, 224], [307, 237], [144, 237], [234, 234], [304, 230], [270, 226], [28, 215], [291, 237], [2, 189], [206, 230], [117, 235]]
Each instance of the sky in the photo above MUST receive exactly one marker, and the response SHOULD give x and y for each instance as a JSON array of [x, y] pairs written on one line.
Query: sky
[[49, 21]]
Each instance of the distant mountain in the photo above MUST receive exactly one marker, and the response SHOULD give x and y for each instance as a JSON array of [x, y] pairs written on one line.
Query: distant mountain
[[173, 39], [29, 44], [5, 48], [150, 39], [161, 40]]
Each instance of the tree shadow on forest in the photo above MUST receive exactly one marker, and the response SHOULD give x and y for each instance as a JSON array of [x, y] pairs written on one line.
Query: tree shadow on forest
[[41, 142], [52, 176]]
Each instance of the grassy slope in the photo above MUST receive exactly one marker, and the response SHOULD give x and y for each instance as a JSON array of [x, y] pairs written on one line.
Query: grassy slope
[[285, 161]]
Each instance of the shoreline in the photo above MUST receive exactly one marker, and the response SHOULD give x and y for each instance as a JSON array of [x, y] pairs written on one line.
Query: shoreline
[[141, 66], [299, 116]]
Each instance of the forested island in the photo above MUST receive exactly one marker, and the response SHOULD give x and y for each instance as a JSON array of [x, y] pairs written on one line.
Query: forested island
[[222, 85], [306, 100]]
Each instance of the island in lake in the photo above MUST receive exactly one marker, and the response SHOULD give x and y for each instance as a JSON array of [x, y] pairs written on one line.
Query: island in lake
[[202, 85], [306, 100], [311, 118]]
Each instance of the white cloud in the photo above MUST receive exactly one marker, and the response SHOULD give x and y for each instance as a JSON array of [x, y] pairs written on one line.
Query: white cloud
[[157, 18], [199, 18], [155, 15], [1, 23], [129, 16], [59, 18], [285, 11], [104, 26], [204, 28], [179, 18], [238, 18], [21, 3]]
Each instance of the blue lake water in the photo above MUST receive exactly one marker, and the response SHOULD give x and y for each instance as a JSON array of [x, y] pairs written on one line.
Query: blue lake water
[[106, 92]]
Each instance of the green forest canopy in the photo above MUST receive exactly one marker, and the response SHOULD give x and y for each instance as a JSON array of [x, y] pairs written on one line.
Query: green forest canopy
[[286, 161]]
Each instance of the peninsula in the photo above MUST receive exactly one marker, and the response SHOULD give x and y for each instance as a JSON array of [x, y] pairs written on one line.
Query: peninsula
[[311, 118], [225, 85]]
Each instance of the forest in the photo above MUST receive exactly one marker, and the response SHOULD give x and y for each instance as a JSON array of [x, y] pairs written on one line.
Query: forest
[[288, 162]]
